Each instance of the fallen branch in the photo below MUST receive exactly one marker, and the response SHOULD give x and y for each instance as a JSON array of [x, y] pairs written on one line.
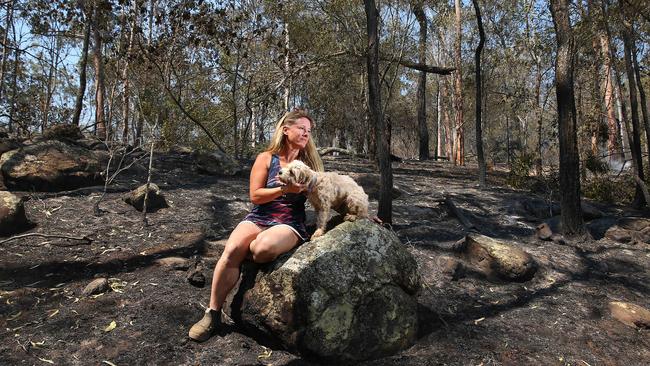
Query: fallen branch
[[459, 214], [84, 238], [329, 150]]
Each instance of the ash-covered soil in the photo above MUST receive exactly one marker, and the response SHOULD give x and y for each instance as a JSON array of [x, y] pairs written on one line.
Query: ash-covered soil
[[560, 317]]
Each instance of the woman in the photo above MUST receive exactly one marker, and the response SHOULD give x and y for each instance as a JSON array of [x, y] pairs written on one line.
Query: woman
[[276, 223]]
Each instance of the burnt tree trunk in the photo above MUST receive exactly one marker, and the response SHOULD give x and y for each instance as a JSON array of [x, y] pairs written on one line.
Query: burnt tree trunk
[[423, 130], [374, 106], [569, 158], [100, 92], [628, 46], [83, 61], [479, 131], [459, 140]]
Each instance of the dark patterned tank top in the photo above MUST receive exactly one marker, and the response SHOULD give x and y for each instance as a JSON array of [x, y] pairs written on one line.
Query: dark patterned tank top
[[288, 209]]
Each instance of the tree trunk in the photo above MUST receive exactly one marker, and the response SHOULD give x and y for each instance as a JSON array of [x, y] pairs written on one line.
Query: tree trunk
[[459, 141], [5, 44], [479, 131], [438, 123], [374, 106], [287, 65], [423, 130], [83, 61], [614, 147], [569, 158], [642, 97], [125, 75], [448, 123], [628, 47], [14, 88], [98, 62]]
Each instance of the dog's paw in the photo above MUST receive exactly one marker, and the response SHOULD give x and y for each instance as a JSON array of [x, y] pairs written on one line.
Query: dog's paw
[[350, 217], [317, 233]]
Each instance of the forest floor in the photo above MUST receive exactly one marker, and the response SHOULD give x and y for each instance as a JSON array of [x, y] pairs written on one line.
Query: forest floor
[[560, 317]]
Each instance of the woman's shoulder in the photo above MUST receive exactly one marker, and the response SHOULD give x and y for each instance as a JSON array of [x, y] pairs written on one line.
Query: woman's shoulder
[[264, 156], [264, 159]]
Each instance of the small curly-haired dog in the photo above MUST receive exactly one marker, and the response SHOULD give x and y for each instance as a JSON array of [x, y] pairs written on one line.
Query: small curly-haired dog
[[327, 191]]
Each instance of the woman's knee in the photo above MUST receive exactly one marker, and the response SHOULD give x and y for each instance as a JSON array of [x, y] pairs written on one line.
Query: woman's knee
[[234, 253], [263, 250]]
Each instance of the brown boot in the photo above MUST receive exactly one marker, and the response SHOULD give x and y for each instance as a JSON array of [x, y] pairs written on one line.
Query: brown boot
[[203, 329]]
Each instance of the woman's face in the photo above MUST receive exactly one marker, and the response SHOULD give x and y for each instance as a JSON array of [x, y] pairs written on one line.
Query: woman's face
[[298, 134]]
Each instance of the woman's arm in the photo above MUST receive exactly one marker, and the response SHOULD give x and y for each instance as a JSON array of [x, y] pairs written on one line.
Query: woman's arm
[[259, 174]]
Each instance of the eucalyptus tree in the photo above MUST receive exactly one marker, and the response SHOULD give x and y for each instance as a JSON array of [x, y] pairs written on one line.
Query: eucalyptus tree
[[569, 159]]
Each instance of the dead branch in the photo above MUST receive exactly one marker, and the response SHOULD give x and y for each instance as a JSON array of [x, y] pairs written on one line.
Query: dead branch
[[459, 214], [146, 190], [57, 236], [422, 67]]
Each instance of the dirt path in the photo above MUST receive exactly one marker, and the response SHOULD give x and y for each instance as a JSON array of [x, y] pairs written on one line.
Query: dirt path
[[558, 318]]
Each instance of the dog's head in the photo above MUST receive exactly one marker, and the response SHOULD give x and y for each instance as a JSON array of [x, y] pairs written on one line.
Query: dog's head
[[296, 172]]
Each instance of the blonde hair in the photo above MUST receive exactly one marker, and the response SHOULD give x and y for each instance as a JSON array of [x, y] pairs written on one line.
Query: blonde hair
[[309, 155]]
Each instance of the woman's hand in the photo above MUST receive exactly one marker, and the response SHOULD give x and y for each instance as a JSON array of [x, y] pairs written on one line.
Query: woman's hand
[[292, 188]]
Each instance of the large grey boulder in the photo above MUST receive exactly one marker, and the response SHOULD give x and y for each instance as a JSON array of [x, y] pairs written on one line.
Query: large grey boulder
[[12, 214], [347, 296], [216, 163], [50, 166]]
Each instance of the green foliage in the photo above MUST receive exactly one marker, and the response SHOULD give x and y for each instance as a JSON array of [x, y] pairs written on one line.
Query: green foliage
[[520, 168], [609, 189], [595, 165]]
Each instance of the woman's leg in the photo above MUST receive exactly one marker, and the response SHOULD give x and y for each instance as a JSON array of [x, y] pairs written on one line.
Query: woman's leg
[[226, 272], [272, 242]]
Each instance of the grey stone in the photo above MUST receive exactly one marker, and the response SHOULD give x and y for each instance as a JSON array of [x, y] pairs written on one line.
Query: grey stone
[[155, 199], [347, 296], [12, 214], [177, 263], [50, 166], [216, 163], [630, 314], [97, 286], [496, 259]]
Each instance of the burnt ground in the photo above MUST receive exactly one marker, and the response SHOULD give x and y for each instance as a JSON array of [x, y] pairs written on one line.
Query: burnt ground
[[560, 317]]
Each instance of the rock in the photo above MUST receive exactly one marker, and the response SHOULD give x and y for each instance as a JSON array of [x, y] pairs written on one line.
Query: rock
[[50, 166], [196, 278], [633, 223], [177, 263], [63, 132], [496, 259], [92, 144], [618, 234], [370, 185], [598, 227], [155, 199], [97, 286], [630, 314], [540, 208], [8, 145], [180, 149], [12, 214], [215, 163], [590, 212], [544, 231], [350, 295]]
